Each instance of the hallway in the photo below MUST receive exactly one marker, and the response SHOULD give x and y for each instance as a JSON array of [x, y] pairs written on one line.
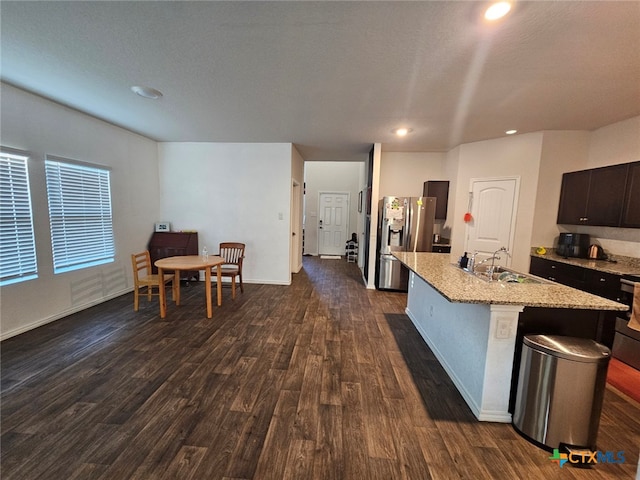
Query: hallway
[[323, 380]]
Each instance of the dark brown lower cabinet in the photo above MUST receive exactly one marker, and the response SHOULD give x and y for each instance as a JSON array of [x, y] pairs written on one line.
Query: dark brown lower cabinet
[[559, 272], [599, 283]]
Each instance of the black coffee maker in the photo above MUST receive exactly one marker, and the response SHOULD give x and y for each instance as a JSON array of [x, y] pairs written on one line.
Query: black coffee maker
[[573, 245]]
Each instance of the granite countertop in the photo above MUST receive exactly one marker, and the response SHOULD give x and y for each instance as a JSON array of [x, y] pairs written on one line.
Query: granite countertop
[[459, 286], [622, 265]]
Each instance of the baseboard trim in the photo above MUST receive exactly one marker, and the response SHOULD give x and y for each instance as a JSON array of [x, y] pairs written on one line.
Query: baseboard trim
[[64, 313]]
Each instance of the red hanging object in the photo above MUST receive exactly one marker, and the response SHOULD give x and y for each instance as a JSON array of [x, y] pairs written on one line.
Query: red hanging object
[[467, 216]]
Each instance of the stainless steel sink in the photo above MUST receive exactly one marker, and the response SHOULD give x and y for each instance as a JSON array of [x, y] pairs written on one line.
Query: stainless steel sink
[[505, 275]]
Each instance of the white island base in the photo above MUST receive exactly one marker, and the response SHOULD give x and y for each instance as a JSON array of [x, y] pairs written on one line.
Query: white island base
[[474, 343]]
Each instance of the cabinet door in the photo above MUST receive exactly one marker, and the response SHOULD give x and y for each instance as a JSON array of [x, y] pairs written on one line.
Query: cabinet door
[[573, 197], [603, 284], [570, 275], [606, 195], [440, 190], [631, 210], [599, 283]]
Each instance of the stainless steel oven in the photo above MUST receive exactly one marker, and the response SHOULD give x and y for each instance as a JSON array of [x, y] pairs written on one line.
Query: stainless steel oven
[[626, 343]]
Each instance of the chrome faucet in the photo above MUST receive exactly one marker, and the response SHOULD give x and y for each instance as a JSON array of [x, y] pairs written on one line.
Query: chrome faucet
[[493, 258]]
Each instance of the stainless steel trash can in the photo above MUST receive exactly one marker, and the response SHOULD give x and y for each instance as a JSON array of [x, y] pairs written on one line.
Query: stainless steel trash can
[[560, 390]]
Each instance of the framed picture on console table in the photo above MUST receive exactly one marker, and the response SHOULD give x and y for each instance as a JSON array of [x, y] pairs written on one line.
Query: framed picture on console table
[[163, 227]]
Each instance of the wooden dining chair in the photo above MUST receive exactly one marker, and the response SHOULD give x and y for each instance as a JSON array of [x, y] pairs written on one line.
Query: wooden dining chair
[[233, 254], [143, 277]]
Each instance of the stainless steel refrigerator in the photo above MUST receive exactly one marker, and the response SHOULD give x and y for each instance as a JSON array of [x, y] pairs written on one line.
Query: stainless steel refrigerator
[[405, 224]]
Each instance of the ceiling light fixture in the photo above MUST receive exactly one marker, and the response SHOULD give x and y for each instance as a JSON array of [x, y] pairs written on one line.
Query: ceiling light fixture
[[146, 92], [511, 132], [401, 132], [497, 10]]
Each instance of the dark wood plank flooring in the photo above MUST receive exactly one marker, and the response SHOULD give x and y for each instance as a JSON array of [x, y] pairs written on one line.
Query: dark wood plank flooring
[[320, 380]]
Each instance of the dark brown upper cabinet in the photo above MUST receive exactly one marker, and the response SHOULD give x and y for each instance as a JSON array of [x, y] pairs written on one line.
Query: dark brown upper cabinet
[[440, 190], [574, 195], [596, 197], [631, 211]]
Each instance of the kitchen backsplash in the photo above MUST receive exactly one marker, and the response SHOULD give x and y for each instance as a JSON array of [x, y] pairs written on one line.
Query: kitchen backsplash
[[615, 241], [618, 247]]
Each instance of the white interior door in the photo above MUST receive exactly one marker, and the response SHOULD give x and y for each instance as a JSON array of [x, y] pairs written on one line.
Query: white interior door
[[333, 223], [493, 208]]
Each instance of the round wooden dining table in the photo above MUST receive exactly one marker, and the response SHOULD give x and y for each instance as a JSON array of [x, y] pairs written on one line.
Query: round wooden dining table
[[189, 262]]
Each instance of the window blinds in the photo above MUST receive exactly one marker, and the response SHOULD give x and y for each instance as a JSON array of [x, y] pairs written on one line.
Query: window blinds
[[17, 241], [79, 215]]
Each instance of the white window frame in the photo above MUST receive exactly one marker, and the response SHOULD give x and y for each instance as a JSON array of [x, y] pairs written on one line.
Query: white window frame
[[80, 214], [18, 262]]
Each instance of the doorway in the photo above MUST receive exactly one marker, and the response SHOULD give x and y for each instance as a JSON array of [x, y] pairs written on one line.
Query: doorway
[[295, 261], [333, 222], [493, 210]]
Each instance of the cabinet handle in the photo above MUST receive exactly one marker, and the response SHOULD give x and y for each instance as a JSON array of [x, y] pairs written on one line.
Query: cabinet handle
[[553, 279], [603, 279], [553, 267]]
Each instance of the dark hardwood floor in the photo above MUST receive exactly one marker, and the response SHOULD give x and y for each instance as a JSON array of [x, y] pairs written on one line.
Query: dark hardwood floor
[[320, 380]]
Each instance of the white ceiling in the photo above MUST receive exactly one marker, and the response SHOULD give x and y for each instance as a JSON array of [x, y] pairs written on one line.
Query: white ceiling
[[330, 77]]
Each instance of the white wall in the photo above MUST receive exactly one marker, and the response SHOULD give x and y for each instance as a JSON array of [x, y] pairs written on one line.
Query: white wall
[[402, 174], [504, 157], [540, 159], [297, 209], [451, 167], [31, 123], [334, 177], [562, 152], [615, 143], [569, 151], [373, 233], [237, 192], [610, 145]]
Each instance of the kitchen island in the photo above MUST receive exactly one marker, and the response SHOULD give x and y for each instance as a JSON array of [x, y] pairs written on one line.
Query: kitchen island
[[475, 327]]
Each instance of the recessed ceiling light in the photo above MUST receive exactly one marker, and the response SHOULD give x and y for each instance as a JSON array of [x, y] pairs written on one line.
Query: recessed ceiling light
[[401, 132], [511, 132], [146, 92], [497, 10]]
